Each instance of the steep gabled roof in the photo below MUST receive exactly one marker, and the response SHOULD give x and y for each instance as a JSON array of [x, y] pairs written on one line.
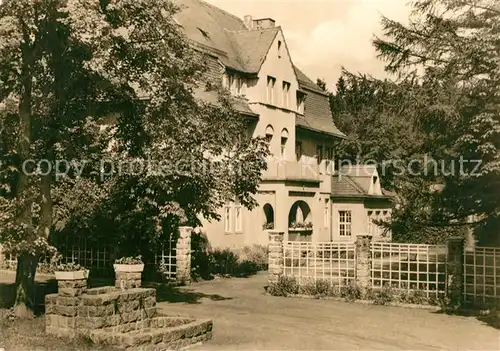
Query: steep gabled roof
[[252, 46], [209, 26], [245, 50]]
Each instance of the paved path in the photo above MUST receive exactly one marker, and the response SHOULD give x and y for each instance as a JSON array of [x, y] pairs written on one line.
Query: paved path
[[246, 319]]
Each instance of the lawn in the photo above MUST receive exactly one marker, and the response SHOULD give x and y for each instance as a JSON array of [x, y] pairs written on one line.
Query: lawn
[[30, 335]]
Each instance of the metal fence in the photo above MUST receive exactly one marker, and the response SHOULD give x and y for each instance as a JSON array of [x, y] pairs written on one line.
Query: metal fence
[[409, 267], [329, 261], [98, 259], [95, 257], [165, 262], [482, 275]]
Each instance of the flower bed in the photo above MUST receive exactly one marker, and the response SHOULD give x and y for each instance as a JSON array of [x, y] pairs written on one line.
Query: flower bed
[[322, 289]]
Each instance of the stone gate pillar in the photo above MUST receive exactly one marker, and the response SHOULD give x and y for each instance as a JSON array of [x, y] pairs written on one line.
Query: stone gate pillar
[[275, 259], [183, 256], [455, 272], [363, 262]]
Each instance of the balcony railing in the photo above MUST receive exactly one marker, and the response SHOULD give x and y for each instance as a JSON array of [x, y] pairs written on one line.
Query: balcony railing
[[291, 170]]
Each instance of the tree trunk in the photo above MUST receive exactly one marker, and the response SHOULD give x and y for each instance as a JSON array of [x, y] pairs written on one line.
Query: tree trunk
[[25, 285]]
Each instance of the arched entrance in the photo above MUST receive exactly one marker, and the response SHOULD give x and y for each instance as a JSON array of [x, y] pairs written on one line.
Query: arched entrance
[[269, 217], [300, 225]]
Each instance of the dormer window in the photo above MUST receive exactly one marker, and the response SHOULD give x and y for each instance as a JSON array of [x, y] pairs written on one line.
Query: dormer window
[[234, 83]]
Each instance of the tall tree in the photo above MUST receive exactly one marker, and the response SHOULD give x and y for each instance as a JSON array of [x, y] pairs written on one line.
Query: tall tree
[[456, 43], [76, 74]]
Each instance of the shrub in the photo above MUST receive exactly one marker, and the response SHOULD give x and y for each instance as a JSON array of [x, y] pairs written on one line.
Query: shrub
[[201, 258], [350, 292], [285, 286], [382, 296], [318, 288], [223, 262], [256, 254], [207, 262]]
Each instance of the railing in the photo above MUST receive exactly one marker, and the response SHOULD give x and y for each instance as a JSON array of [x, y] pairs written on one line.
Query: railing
[[332, 262], [98, 259], [409, 267], [165, 261], [482, 275], [290, 170]]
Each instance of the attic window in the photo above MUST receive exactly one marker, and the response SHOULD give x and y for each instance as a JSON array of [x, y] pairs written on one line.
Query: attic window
[[375, 180], [279, 48], [204, 33]]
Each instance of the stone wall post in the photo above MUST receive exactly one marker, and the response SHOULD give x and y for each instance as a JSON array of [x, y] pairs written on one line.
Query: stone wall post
[[275, 260], [363, 262], [455, 272], [183, 256], [71, 288]]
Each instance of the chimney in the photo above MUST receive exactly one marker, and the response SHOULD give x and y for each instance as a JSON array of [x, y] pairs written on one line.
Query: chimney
[[264, 23], [248, 22]]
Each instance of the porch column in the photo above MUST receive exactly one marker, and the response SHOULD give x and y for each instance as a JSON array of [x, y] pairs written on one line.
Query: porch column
[[363, 262], [455, 273], [183, 256], [275, 258]]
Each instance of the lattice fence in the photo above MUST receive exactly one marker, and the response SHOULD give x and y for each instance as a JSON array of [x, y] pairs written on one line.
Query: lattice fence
[[165, 261], [482, 275], [9, 262], [98, 259], [409, 267], [95, 257], [329, 261]]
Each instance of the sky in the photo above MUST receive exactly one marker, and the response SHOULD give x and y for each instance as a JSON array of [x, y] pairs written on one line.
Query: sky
[[324, 35]]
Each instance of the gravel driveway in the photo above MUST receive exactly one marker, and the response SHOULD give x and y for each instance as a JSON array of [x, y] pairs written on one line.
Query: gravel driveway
[[246, 319]]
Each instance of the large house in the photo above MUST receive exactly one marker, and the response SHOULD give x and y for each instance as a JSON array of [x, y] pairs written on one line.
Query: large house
[[300, 193]]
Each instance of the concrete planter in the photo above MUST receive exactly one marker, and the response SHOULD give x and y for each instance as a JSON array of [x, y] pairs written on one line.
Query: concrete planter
[[72, 275], [128, 268], [303, 231]]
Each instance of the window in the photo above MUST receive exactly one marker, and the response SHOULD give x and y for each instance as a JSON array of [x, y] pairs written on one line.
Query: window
[[269, 138], [238, 225], [300, 102], [283, 146], [286, 94], [233, 218], [233, 83], [284, 138], [371, 225], [269, 133], [271, 82], [330, 153], [227, 219], [279, 48], [298, 150], [326, 214], [319, 153], [345, 223]]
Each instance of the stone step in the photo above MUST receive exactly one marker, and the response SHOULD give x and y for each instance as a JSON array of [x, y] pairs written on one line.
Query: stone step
[[162, 333]]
